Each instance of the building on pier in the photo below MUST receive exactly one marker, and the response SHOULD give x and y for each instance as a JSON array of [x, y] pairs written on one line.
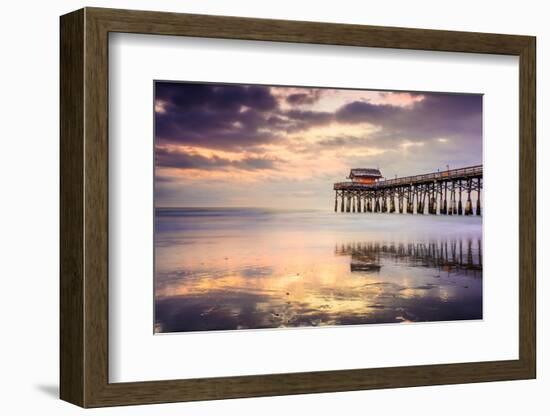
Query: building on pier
[[434, 193], [365, 176]]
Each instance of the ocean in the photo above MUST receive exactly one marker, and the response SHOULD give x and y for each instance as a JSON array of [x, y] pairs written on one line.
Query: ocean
[[255, 268]]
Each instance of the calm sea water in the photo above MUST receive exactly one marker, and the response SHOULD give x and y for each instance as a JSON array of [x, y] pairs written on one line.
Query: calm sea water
[[224, 269]]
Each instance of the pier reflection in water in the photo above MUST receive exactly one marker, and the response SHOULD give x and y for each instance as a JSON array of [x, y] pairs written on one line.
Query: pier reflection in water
[[447, 256], [292, 271]]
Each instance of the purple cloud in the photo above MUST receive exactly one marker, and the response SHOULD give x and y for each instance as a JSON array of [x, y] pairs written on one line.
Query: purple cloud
[[302, 98], [185, 160], [215, 116], [245, 117], [437, 115]]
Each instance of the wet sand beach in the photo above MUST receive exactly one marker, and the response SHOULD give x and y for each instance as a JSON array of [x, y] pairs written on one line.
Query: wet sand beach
[[225, 269]]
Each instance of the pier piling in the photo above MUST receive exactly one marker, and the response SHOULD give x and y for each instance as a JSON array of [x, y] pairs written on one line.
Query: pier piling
[[442, 208], [460, 212], [478, 203], [468, 210]]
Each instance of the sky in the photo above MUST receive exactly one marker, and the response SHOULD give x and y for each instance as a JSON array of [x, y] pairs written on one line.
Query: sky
[[238, 145]]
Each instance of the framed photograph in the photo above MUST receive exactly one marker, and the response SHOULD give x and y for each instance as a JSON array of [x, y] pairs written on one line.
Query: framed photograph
[[260, 207]]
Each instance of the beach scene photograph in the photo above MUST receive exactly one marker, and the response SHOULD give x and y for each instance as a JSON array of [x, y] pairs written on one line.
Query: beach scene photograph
[[295, 207]]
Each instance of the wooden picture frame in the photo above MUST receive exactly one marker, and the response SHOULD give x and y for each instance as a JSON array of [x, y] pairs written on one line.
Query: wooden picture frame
[[84, 207]]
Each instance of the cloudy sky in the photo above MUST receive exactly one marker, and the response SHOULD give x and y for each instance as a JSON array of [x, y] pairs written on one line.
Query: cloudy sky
[[259, 146]]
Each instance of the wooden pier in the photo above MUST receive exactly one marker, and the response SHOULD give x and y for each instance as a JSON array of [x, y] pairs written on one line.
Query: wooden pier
[[447, 192]]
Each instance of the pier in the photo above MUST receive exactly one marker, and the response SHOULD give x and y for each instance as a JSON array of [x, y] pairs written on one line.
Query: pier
[[447, 192]]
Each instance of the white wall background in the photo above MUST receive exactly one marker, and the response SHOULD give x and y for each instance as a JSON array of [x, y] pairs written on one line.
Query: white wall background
[[29, 207]]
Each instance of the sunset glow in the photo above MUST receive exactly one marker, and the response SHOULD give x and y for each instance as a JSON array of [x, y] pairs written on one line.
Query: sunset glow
[[291, 207], [250, 145]]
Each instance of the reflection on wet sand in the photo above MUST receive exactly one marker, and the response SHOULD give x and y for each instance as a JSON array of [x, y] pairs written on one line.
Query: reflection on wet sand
[[445, 255], [215, 279]]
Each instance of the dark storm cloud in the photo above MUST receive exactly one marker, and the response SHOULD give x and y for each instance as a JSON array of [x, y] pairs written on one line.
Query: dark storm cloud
[[308, 97], [228, 116], [437, 115], [214, 116], [225, 98], [306, 119], [184, 160], [366, 112], [243, 117]]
